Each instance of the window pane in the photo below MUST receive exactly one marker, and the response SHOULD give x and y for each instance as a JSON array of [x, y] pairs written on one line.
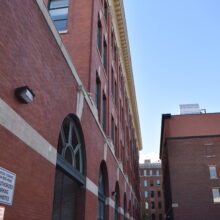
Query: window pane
[[216, 195], [146, 205], [58, 14], [61, 25], [145, 194], [212, 171], [58, 3]]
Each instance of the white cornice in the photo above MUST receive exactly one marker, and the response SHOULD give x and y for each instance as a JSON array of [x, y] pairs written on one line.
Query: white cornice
[[120, 28]]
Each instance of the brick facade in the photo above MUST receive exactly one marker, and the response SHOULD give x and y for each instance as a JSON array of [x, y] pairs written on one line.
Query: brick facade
[[32, 53], [189, 146]]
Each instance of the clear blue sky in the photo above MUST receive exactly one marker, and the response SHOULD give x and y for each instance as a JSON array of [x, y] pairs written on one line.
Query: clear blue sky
[[175, 49]]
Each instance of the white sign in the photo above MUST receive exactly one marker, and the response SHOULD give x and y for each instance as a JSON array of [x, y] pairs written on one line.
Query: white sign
[[7, 185], [175, 205], [2, 212]]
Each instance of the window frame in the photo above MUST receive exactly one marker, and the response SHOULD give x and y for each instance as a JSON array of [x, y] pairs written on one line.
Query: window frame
[[62, 19], [213, 172], [217, 189]]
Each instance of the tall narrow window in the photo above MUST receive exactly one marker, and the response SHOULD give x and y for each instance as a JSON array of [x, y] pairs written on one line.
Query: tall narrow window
[[151, 172], [212, 172], [159, 205], [101, 196], [106, 11], [115, 92], [98, 93], [99, 35], [158, 182], [146, 194], [112, 82], [153, 216], [152, 194], [145, 182], [152, 205], [58, 10], [104, 108], [151, 183], [116, 141], [113, 130], [216, 195], [158, 193], [157, 173], [116, 202], [146, 205], [145, 172], [125, 207], [105, 55]]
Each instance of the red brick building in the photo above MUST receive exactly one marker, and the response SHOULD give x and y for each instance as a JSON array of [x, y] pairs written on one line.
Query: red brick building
[[190, 152], [74, 146], [152, 200]]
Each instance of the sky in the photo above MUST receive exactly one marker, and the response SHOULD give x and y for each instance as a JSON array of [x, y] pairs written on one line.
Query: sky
[[175, 51]]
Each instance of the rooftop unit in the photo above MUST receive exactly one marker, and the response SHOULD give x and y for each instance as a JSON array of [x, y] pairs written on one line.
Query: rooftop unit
[[186, 109]]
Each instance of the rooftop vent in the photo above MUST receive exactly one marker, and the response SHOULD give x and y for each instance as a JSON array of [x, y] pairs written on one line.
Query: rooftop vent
[[187, 109]]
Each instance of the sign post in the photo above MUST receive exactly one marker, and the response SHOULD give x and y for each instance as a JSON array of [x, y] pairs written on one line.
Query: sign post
[[7, 185]]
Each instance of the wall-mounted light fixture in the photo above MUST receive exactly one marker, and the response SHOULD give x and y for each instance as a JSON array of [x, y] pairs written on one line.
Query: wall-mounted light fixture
[[24, 94]]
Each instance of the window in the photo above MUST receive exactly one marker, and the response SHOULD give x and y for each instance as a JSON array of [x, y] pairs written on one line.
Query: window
[[105, 55], [101, 196], [115, 92], [158, 182], [113, 130], [151, 183], [146, 194], [152, 205], [153, 216], [151, 172], [98, 93], [157, 173], [105, 10], [99, 35], [145, 182], [116, 202], [158, 193], [146, 205], [152, 194], [145, 172], [212, 172], [125, 207], [159, 205], [69, 171], [112, 82], [58, 10], [160, 217], [216, 195], [104, 108]]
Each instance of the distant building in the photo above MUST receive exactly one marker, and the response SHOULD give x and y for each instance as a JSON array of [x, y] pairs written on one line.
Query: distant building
[[152, 202], [190, 154]]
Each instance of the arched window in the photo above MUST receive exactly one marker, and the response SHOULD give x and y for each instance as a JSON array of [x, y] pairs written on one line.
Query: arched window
[[70, 171], [102, 195]]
